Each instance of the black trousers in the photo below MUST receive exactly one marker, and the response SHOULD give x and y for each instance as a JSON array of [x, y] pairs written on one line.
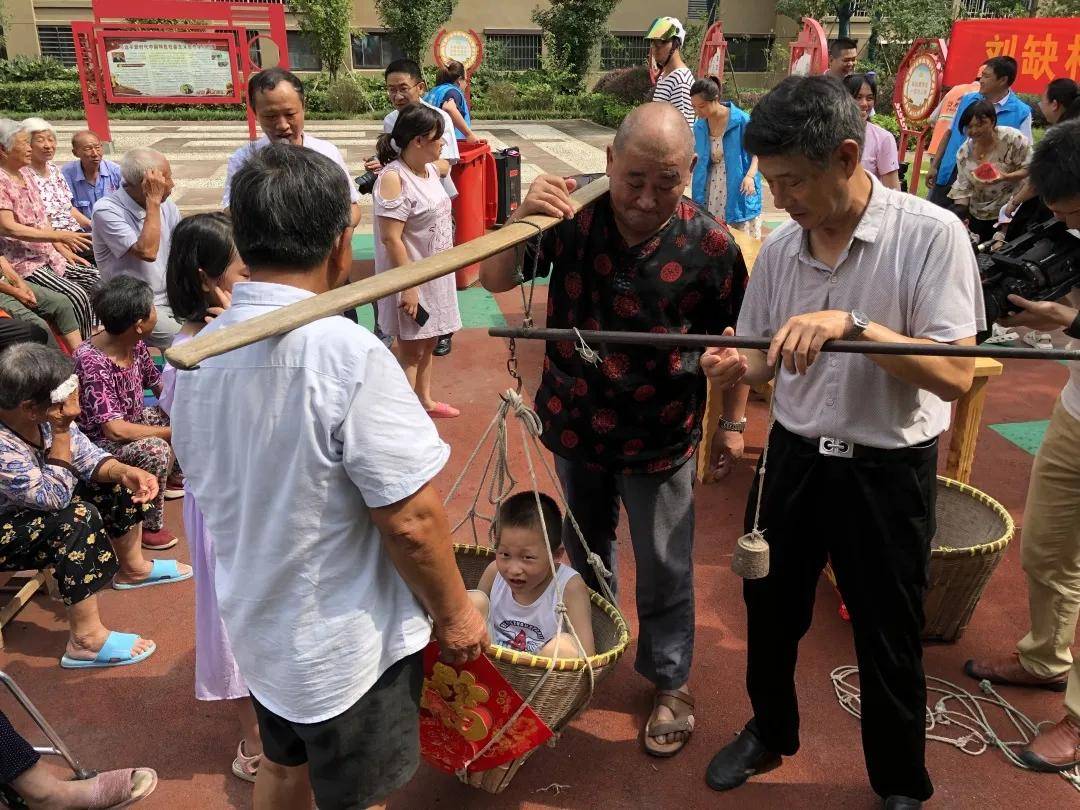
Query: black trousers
[[873, 516]]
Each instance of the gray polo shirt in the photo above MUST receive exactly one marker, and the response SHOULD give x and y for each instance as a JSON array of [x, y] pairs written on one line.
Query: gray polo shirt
[[909, 267], [117, 223]]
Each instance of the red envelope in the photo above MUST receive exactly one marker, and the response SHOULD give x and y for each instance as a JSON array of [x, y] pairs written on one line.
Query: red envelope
[[463, 707]]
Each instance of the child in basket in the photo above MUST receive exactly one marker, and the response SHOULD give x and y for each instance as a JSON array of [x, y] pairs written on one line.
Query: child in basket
[[517, 592]]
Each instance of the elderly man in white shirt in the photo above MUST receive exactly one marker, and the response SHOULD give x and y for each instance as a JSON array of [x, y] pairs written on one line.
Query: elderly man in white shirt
[[132, 231], [312, 460], [277, 97], [852, 456]]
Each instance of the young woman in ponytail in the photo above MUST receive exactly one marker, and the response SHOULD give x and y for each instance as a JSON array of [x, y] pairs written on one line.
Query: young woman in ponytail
[[413, 221]]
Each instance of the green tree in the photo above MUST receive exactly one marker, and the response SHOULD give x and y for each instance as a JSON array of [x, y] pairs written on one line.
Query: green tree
[[413, 23], [572, 31], [1058, 8], [327, 25], [819, 9]]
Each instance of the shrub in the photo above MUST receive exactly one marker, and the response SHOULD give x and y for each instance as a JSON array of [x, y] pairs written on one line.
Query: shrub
[[347, 95], [500, 96], [41, 96], [26, 68], [887, 122], [630, 84]]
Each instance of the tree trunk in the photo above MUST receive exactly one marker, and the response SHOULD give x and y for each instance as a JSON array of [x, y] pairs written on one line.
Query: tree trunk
[[843, 19]]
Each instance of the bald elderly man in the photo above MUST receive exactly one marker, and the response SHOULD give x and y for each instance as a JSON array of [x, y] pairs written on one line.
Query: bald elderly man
[[132, 230], [90, 175], [642, 259]]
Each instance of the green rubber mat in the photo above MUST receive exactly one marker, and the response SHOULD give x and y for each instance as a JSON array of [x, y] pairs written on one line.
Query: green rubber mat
[[363, 246], [478, 310], [1025, 435]]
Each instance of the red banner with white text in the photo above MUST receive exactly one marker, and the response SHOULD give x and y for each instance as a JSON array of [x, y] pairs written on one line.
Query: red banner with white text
[[1044, 49]]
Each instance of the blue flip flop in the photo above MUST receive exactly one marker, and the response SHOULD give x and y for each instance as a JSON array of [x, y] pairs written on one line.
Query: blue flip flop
[[115, 652], [162, 573]]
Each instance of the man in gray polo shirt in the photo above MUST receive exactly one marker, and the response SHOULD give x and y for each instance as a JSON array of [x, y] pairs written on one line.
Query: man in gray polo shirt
[[132, 230], [853, 452]]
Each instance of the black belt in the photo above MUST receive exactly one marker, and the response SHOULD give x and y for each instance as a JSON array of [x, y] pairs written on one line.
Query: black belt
[[836, 447]]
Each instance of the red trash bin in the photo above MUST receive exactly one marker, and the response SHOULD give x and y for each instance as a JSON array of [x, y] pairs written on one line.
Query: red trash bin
[[477, 202]]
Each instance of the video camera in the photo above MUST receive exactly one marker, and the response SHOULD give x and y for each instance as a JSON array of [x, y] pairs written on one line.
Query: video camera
[[1041, 265]]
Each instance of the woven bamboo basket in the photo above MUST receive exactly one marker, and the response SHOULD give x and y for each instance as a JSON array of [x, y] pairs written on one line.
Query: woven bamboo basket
[[973, 531], [566, 690]]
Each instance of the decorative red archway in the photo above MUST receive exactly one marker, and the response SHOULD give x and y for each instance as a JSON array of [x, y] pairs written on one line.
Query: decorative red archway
[[201, 62]]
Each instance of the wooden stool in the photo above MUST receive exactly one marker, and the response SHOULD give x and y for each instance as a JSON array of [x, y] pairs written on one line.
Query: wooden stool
[[23, 584]]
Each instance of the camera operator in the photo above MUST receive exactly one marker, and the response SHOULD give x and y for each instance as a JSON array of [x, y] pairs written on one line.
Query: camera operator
[[1051, 541]]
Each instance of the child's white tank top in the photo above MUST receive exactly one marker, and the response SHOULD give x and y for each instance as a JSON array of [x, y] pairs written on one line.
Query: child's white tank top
[[525, 628]]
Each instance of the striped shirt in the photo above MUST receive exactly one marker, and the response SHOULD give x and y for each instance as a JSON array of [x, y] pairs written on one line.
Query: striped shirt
[[675, 89]]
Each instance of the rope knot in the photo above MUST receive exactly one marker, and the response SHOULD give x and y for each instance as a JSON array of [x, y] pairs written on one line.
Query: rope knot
[[560, 608], [594, 560], [587, 353]]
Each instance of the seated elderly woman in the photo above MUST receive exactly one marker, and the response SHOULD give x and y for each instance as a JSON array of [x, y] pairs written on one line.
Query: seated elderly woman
[[114, 368], [65, 504], [32, 303], [54, 189], [38, 252]]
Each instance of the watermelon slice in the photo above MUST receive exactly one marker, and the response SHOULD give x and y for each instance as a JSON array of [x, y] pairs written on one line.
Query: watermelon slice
[[987, 172]]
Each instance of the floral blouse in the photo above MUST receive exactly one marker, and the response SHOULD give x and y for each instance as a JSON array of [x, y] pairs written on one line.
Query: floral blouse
[[108, 391], [1011, 152], [29, 479], [56, 195], [25, 202]]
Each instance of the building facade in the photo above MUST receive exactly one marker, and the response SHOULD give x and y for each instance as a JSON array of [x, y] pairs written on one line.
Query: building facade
[[43, 27]]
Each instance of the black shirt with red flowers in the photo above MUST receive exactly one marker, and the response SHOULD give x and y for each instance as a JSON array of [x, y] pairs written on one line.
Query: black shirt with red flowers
[[640, 409]]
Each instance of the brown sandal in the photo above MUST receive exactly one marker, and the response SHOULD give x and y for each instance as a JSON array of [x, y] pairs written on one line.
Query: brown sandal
[[684, 722]]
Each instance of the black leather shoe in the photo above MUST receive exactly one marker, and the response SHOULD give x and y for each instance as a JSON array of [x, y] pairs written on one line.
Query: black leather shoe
[[902, 803], [442, 348], [739, 760]]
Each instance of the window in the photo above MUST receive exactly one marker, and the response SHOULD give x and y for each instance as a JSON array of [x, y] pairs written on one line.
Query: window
[[861, 8], [514, 51], [749, 53], [374, 50], [697, 9], [301, 55], [56, 41], [623, 51], [990, 8]]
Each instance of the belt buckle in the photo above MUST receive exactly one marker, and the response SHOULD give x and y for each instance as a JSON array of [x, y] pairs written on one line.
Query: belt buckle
[[837, 448]]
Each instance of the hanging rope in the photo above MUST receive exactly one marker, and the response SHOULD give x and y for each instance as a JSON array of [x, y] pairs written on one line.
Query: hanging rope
[[751, 557], [969, 716]]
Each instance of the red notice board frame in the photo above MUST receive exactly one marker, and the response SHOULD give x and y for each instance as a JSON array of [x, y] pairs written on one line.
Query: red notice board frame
[[140, 32], [238, 23]]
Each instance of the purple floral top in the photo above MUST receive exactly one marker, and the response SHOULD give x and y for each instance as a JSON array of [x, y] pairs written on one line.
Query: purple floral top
[[56, 195], [108, 391], [25, 203], [29, 479]]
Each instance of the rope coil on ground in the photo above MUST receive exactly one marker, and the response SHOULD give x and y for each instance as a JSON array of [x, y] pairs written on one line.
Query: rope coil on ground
[[970, 716]]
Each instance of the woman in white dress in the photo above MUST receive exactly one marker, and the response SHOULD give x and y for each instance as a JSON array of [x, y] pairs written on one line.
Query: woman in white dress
[[413, 221]]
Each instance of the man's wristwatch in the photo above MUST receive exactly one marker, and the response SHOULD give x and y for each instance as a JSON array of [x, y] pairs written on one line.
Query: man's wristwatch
[[732, 427], [859, 323]]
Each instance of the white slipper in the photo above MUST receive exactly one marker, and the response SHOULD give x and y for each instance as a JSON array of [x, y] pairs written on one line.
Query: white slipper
[[1038, 340], [1000, 335]]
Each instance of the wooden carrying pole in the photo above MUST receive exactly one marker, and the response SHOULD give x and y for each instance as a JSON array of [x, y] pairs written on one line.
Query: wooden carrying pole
[[190, 353], [740, 342]]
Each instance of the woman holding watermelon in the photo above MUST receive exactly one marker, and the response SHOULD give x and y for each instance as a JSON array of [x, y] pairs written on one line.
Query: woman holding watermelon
[[990, 164]]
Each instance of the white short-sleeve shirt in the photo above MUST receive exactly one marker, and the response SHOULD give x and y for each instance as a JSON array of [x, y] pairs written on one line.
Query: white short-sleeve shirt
[[909, 267], [325, 148], [287, 444], [450, 151]]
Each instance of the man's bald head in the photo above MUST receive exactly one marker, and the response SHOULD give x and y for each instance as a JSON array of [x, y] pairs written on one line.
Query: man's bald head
[[82, 137], [655, 127], [649, 167]]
